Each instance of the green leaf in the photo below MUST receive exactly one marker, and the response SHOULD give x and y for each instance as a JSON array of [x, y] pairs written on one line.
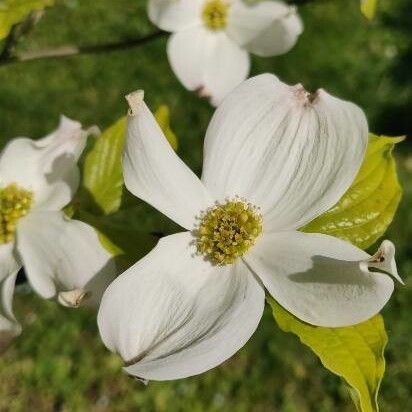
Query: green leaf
[[14, 11], [368, 207], [102, 174], [368, 8], [354, 353], [109, 245]]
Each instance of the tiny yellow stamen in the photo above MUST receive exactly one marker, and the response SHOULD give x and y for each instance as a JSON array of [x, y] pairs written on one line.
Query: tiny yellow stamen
[[15, 203], [215, 14], [227, 231]]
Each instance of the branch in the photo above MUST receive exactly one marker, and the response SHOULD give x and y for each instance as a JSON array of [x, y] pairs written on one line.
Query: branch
[[302, 2], [8, 57], [67, 51], [17, 32]]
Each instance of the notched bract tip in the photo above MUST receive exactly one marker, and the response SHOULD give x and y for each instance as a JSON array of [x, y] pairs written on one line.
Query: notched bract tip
[[72, 298], [400, 139], [303, 96], [93, 131], [135, 100], [384, 260], [140, 380]]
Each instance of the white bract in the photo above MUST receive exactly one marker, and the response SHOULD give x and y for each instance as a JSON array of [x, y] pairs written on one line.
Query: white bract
[[60, 256], [275, 157], [209, 48]]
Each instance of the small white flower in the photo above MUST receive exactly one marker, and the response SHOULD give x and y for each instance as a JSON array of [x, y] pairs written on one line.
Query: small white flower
[[275, 157], [60, 256], [211, 40]]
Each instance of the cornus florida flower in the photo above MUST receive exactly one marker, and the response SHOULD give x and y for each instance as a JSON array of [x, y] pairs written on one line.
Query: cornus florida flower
[[275, 157], [60, 256], [211, 40]]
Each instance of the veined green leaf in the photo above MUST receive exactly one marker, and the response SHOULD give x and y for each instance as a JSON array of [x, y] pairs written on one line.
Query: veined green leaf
[[368, 207], [14, 11], [102, 174], [354, 353], [368, 8]]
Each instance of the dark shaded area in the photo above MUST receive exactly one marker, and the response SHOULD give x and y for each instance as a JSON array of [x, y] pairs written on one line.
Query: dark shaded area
[[395, 118]]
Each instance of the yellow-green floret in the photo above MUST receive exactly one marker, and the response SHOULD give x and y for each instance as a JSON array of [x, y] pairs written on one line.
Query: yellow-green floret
[[15, 203], [215, 14], [227, 231]]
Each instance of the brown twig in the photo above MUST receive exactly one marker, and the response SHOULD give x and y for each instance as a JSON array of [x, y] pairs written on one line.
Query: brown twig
[[66, 51], [300, 2], [7, 56], [17, 32]]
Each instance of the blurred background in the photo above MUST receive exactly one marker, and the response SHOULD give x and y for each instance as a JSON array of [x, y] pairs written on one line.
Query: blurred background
[[58, 363]]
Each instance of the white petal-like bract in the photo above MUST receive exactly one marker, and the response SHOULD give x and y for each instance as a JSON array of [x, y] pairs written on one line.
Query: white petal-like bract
[[275, 157], [267, 28], [174, 315], [207, 62], [61, 255], [173, 15], [213, 59], [47, 167], [9, 262], [321, 279], [9, 327], [288, 152], [153, 172], [9, 267]]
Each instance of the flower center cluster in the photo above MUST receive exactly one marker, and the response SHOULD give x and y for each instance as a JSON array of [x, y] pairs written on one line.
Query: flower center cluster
[[227, 231], [215, 14], [15, 202]]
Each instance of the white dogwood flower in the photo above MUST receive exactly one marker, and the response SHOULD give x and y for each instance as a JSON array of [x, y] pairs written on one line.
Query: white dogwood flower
[[209, 48], [275, 157], [60, 256]]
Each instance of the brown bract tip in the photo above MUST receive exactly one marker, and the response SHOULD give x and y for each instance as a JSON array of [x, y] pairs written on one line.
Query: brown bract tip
[[203, 92], [72, 298], [303, 96], [135, 101]]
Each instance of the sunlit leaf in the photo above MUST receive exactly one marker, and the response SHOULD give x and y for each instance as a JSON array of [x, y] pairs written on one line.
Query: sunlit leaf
[[354, 353], [368, 8], [109, 245], [368, 207], [102, 173], [14, 11]]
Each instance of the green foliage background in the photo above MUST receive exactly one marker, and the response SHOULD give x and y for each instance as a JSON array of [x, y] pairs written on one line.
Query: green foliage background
[[59, 364]]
